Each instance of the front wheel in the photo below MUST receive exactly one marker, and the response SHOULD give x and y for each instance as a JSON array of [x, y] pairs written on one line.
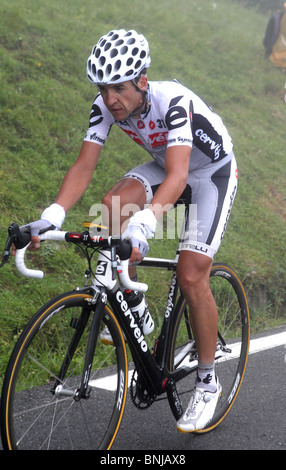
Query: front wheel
[[39, 409], [232, 342]]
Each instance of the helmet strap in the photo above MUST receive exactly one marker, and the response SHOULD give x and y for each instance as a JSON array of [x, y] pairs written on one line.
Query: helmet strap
[[143, 109]]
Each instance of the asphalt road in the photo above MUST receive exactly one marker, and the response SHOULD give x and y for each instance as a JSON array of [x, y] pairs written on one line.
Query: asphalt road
[[257, 420]]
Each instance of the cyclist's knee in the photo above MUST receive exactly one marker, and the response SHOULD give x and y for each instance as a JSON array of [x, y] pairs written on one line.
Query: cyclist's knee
[[193, 273], [107, 201], [111, 211], [191, 282], [126, 192], [122, 201]]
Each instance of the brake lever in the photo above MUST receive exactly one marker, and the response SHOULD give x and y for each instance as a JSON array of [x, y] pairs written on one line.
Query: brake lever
[[20, 238], [6, 254], [9, 241]]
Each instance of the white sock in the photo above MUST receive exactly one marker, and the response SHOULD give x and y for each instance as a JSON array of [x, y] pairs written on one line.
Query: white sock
[[206, 378]]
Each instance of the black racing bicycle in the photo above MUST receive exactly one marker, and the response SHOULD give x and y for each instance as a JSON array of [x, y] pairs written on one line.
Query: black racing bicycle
[[65, 389]]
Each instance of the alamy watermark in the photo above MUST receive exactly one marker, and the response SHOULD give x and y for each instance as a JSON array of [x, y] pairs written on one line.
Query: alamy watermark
[[170, 226]]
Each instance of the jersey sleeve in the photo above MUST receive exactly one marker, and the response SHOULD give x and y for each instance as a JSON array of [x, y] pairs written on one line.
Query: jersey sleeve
[[100, 122], [192, 122], [178, 120]]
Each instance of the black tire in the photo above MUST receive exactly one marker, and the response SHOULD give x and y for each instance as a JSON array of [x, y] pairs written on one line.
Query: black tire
[[232, 344], [32, 416]]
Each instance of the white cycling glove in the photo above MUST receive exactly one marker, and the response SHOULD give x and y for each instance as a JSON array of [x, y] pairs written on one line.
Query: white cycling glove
[[52, 218], [142, 225], [55, 214]]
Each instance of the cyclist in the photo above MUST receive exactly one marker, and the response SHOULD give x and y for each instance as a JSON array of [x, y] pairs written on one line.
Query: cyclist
[[192, 159]]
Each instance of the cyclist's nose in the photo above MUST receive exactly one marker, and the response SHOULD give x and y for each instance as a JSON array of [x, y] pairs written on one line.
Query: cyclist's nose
[[110, 98]]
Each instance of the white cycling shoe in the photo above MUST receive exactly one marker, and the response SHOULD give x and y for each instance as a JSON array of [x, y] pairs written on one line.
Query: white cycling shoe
[[200, 409], [105, 336], [146, 323]]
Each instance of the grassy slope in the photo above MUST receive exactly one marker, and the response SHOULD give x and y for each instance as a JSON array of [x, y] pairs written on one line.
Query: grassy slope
[[213, 47]]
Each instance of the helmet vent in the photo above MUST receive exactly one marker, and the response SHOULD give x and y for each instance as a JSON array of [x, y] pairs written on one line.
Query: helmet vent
[[108, 70], [107, 46], [123, 50], [113, 53]]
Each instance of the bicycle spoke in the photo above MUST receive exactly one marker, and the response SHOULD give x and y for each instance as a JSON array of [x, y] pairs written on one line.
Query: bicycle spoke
[[55, 418], [233, 339]]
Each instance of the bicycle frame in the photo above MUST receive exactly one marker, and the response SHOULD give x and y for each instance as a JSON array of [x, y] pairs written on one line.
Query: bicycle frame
[[152, 368], [101, 302]]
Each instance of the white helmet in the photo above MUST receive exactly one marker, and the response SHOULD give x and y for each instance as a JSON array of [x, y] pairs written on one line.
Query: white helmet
[[117, 57]]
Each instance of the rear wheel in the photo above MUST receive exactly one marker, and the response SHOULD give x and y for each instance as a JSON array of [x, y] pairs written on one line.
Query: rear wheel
[[39, 407], [232, 343]]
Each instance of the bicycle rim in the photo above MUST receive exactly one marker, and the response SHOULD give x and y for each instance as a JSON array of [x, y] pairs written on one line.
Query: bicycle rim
[[33, 416], [232, 344]]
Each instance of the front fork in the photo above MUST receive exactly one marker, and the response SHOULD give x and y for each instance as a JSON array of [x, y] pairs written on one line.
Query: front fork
[[83, 391], [105, 276]]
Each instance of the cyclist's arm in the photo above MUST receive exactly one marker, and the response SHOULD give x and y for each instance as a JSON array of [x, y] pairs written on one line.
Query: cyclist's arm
[[78, 176], [75, 182], [177, 169]]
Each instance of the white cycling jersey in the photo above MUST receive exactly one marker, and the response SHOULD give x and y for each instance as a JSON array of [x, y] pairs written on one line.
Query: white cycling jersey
[[175, 116]]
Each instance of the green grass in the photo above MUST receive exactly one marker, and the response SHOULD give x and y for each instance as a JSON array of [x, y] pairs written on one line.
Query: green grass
[[215, 48]]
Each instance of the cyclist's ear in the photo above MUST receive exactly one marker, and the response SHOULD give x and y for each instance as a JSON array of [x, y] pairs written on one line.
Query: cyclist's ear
[[142, 83]]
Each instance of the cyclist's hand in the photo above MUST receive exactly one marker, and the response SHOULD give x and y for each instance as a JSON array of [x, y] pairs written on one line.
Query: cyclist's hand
[[141, 226], [36, 228], [146, 221], [136, 256], [52, 219], [139, 243]]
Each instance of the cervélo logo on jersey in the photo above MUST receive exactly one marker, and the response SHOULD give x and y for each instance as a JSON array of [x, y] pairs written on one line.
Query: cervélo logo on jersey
[[133, 136], [158, 139]]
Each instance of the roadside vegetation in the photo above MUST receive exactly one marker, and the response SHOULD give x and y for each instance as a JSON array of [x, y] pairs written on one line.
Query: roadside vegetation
[[215, 48]]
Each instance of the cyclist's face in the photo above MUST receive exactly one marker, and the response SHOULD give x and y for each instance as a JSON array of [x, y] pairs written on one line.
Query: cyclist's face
[[122, 99]]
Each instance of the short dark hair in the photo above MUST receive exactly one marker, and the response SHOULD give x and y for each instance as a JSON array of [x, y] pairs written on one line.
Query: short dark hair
[[143, 72]]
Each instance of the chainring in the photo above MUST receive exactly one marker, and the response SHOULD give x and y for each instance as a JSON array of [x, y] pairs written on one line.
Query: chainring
[[140, 396]]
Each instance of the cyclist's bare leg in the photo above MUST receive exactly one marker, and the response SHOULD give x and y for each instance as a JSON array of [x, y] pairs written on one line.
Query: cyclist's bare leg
[[193, 276], [122, 200]]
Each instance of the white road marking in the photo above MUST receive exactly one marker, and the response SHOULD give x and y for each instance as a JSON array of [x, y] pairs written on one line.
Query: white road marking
[[267, 342], [256, 345]]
